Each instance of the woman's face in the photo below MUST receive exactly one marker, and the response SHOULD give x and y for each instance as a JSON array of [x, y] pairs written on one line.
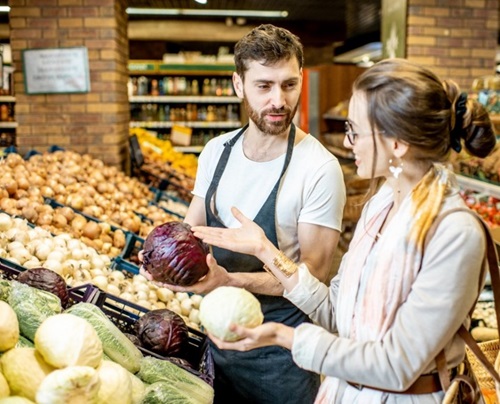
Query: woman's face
[[365, 143]]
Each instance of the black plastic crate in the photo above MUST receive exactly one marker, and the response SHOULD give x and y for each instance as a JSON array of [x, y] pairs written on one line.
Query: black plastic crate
[[128, 257], [124, 315], [84, 293]]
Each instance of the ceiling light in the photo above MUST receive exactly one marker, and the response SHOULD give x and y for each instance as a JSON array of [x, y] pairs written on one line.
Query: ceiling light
[[205, 13], [4, 9], [201, 1]]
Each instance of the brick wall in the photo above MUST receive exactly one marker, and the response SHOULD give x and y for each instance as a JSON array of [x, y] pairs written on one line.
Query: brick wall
[[457, 38], [95, 122]]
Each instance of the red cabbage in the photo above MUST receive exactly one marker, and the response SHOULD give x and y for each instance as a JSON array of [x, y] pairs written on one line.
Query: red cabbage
[[47, 280], [172, 254], [163, 332]]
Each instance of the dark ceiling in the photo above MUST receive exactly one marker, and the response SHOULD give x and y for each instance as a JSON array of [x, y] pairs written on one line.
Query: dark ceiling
[[316, 22]]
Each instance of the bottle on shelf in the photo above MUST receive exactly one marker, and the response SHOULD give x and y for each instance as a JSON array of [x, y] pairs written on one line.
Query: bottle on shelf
[[142, 85]]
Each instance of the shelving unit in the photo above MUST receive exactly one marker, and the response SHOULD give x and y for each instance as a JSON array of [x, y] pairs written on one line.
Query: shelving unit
[[479, 186], [196, 96], [7, 124]]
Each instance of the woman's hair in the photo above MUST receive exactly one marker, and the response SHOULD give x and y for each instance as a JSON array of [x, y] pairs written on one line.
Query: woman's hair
[[409, 102], [268, 45]]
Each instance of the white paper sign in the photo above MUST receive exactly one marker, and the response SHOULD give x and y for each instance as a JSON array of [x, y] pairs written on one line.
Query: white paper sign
[[63, 70]]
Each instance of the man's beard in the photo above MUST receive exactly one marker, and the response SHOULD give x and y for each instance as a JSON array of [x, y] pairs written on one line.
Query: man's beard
[[270, 128]]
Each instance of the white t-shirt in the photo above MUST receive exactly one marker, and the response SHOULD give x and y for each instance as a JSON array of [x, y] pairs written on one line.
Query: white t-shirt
[[312, 190]]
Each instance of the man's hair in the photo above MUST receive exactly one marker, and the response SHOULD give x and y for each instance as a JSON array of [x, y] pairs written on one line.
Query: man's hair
[[268, 45]]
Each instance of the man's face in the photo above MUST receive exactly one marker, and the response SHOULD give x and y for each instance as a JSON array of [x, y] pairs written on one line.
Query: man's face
[[271, 94]]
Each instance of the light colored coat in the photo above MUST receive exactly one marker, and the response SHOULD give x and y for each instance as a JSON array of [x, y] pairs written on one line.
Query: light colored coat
[[440, 299]]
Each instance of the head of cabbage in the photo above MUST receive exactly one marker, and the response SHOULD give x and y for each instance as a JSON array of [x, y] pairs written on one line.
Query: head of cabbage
[[228, 305]]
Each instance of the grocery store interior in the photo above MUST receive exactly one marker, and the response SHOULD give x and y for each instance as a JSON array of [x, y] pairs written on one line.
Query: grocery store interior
[[106, 105]]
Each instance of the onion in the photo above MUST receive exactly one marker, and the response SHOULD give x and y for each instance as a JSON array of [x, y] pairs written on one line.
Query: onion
[[53, 266], [76, 253], [60, 220], [22, 182], [91, 230], [5, 222], [113, 289], [116, 277], [98, 272], [186, 306], [30, 213], [42, 251], [196, 300], [78, 223], [8, 204], [165, 294], [56, 255], [10, 186], [32, 263], [14, 245], [194, 316], [20, 254], [101, 282], [67, 212], [44, 219]]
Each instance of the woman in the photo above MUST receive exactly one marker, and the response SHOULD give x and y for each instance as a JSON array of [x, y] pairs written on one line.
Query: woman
[[391, 309]]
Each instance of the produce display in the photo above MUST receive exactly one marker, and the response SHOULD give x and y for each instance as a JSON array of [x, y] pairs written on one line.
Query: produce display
[[66, 221], [228, 305], [163, 164], [80, 355], [83, 244], [488, 207], [487, 168], [80, 183], [171, 254]]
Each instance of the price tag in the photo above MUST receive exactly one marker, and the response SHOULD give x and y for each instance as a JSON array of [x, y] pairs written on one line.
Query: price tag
[[181, 135]]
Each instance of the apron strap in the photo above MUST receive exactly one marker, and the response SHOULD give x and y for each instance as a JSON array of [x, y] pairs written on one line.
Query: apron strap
[[221, 165]]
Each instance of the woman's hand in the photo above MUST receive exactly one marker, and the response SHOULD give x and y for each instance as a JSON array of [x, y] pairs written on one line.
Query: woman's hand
[[267, 334], [247, 239]]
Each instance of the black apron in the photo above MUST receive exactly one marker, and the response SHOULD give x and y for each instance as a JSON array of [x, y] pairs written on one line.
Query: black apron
[[263, 375]]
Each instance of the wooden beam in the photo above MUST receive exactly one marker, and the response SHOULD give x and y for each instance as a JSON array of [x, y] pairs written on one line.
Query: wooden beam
[[186, 31]]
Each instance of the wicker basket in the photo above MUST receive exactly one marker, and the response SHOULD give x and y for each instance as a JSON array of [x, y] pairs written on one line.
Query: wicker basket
[[490, 350]]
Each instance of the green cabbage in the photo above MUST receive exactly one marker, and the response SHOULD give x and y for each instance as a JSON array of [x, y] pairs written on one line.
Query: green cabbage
[[176, 384], [116, 385], [163, 392], [74, 384], [226, 305], [32, 307]]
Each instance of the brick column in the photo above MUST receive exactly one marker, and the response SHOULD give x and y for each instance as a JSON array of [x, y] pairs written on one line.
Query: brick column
[[95, 122], [457, 38]]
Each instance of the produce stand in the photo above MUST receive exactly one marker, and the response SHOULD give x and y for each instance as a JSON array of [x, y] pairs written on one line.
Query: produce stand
[[124, 315]]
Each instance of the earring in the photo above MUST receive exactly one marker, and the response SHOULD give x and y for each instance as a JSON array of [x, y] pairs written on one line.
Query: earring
[[395, 170]]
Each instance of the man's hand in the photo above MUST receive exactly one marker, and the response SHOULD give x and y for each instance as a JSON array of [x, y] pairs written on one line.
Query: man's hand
[[216, 276]]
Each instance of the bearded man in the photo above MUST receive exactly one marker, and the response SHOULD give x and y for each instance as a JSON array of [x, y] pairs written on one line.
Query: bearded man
[[291, 186]]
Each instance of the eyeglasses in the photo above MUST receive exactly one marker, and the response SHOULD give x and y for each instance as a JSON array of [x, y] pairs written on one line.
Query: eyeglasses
[[349, 132], [351, 135]]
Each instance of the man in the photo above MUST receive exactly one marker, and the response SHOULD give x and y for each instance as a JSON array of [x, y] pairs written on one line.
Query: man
[[290, 185]]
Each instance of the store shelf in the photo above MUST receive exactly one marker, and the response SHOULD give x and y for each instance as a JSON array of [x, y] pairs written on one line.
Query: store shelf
[[479, 186], [157, 67], [189, 124], [184, 99], [189, 149], [8, 125]]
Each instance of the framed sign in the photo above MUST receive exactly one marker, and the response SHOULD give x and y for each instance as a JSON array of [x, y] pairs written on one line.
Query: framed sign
[[57, 70]]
